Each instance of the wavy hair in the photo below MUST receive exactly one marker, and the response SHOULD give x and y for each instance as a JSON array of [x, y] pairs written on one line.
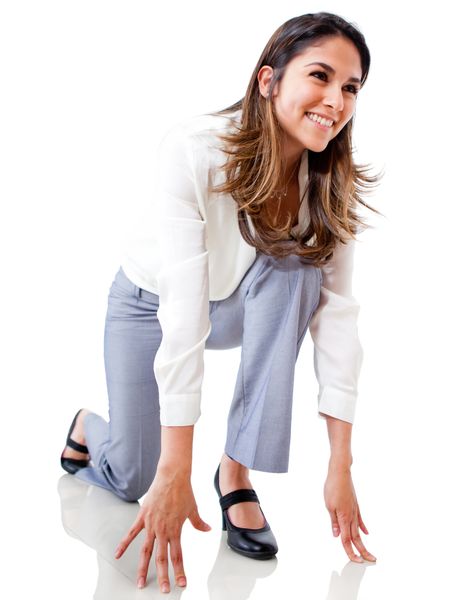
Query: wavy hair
[[254, 166]]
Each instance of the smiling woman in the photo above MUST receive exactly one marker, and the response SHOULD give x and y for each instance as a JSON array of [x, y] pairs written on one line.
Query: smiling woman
[[324, 96], [302, 95], [255, 218]]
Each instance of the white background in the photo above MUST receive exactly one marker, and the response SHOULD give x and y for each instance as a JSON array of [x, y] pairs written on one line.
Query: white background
[[87, 90]]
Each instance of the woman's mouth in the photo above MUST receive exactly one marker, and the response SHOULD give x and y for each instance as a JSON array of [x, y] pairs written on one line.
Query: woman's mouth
[[321, 122]]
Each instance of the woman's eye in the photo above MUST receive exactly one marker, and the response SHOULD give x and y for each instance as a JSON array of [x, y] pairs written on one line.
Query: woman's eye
[[320, 75], [352, 89], [324, 77]]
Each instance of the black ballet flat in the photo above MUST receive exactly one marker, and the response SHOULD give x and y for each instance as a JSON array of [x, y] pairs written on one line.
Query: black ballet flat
[[72, 465], [253, 543]]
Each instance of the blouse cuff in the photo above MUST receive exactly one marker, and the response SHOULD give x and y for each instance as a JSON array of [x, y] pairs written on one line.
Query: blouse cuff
[[337, 403], [179, 409]]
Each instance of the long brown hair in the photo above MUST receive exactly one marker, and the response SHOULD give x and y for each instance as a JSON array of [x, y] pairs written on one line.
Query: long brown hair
[[254, 167]]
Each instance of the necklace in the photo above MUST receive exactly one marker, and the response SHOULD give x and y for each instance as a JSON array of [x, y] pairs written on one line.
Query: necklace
[[280, 194], [273, 207]]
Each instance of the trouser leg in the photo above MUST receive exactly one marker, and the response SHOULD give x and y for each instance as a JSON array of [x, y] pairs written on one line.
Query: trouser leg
[[125, 451], [268, 315]]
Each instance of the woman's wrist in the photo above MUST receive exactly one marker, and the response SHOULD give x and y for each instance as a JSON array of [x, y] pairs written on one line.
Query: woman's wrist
[[340, 462], [171, 471], [339, 433], [176, 450]]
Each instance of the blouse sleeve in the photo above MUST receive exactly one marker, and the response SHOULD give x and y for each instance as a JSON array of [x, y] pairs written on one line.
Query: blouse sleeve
[[183, 283], [337, 350]]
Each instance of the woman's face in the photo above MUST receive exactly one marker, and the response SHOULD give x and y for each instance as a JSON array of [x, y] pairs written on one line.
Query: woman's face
[[309, 90]]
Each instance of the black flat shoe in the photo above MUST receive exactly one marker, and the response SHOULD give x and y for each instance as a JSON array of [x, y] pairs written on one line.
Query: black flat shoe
[[254, 543], [72, 465]]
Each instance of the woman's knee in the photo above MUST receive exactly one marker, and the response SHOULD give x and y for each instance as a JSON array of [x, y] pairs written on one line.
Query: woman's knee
[[134, 485], [129, 477]]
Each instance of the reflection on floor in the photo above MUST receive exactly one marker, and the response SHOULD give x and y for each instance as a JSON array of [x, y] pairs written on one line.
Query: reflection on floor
[[99, 519]]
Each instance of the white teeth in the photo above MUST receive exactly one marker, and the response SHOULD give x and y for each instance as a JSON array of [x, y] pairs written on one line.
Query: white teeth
[[321, 120]]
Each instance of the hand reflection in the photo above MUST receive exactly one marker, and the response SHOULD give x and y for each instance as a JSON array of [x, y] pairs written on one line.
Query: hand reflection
[[98, 518], [346, 585]]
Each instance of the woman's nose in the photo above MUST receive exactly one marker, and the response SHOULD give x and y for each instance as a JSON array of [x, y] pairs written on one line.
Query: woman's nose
[[334, 98]]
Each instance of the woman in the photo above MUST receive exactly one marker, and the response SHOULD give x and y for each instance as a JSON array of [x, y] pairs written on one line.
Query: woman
[[253, 242]]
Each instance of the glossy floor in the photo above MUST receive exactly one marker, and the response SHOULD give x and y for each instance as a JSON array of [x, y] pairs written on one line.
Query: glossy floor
[[97, 519], [93, 520], [59, 534]]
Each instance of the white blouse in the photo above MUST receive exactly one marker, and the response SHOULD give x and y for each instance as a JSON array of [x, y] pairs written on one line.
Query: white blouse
[[194, 253]]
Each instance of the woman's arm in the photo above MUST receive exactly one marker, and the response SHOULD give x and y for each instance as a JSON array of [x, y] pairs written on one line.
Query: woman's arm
[[340, 496], [337, 360], [183, 313], [340, 436], [337, 349]]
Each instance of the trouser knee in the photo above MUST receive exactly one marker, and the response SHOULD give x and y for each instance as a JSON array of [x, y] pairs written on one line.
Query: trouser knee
[[133, 483]]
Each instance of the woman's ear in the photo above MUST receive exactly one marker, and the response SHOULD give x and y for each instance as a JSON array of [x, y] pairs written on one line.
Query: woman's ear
[[265, 75]]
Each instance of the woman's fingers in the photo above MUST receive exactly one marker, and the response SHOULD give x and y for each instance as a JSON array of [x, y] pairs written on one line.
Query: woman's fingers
[[126, 541], [350, 537], [198, 522], [361, 523], [162, 566], [346, 539], [358, 543], [342, 505], [144, 560], [162, 563], [334, 523], [161, 559], [176, 558]]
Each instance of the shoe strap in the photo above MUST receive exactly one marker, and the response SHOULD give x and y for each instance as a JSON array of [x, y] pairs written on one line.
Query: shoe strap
[[76, 446], [236, 497], [75, 461]]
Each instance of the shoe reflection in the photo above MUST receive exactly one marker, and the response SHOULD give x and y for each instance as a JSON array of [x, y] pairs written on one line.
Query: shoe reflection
[[234, 576]]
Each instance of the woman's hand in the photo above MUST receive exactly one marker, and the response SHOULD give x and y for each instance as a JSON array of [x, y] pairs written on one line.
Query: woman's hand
[[341, 502], [167, 504]]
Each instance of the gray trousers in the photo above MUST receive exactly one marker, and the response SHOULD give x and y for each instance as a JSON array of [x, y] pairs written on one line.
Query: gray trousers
[[267, 315]]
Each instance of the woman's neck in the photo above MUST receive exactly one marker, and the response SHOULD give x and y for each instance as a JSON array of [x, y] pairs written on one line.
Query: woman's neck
[[292, 167], [292, 154]]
